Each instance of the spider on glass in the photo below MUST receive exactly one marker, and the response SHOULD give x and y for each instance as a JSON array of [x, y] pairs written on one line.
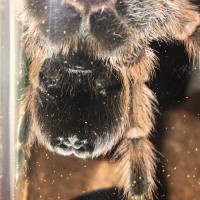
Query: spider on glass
[[89, 63]]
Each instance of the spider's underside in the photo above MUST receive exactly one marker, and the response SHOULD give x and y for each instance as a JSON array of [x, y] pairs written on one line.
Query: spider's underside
[[90, 62]]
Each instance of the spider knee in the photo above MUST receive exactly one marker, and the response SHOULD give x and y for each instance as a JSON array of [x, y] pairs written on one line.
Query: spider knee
[[136, 133]]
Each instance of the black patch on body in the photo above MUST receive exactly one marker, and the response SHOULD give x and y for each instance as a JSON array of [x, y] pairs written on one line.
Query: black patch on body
[[84, 105], [57, 21], [107, 29]]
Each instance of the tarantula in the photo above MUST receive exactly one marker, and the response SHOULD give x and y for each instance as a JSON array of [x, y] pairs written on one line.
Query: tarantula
[[89, 65]]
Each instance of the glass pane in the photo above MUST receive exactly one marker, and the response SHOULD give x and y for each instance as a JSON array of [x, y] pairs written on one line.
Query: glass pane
[[79, 86]]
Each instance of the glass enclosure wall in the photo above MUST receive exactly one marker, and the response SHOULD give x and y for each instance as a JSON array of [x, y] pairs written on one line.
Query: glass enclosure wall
[[8, 87]]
